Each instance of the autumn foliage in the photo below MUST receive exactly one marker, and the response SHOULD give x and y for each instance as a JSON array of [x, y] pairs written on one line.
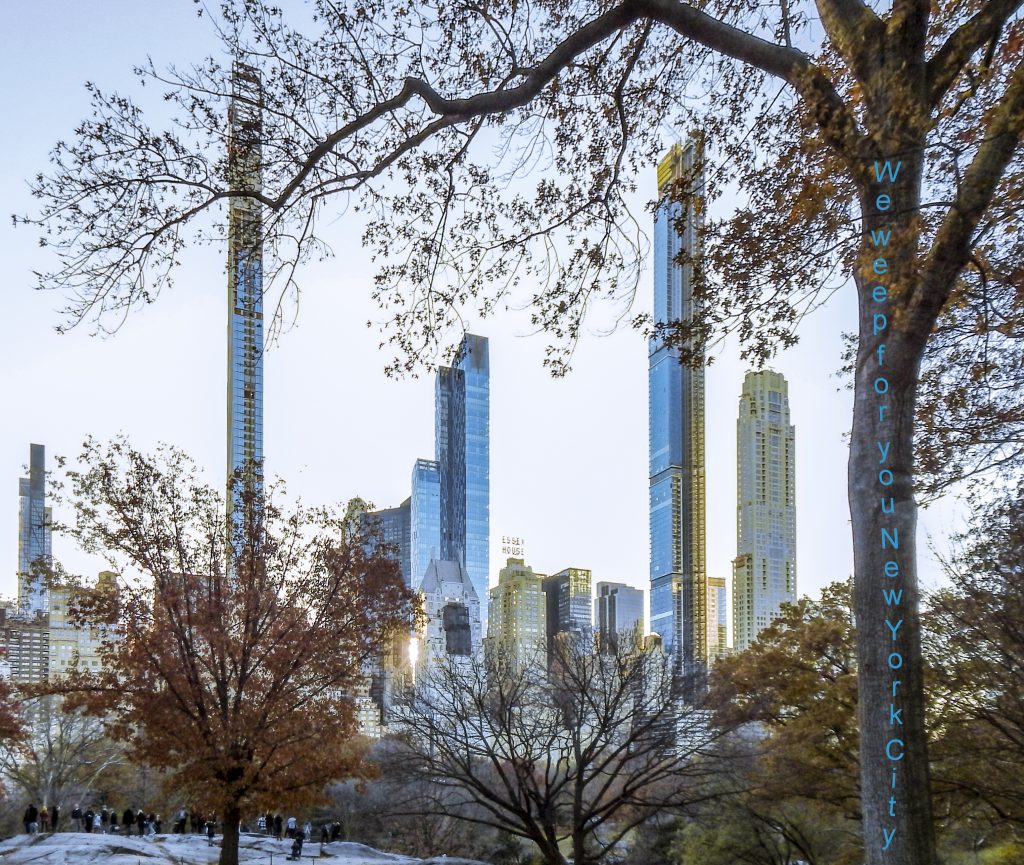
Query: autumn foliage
[[237, 652]]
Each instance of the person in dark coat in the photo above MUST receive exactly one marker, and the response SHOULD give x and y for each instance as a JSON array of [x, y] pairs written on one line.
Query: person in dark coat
[[211, 830], [105, 820], [31, 818], [113, 821], [76, 815], [278, 826], [128, 820], [296, 847], [87, 819], [56, 818]]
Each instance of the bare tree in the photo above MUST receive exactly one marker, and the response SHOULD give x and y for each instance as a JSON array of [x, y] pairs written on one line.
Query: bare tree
[[62, 757], [579, 756], [878, 145]]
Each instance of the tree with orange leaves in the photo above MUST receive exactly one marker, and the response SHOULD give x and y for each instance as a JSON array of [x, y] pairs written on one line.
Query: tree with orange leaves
[[236, 652]]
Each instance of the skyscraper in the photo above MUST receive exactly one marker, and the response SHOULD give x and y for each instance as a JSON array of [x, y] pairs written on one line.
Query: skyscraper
[[396, 529], [718, 641], [677, 484], [34, 538], [245, 282], [568, 603], [462, 443], [620, 610], [424, 518], [764, 571], [516, 613]]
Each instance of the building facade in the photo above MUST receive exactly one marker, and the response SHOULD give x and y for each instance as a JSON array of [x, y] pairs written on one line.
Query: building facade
[[424, 518], [568, 604], [245, 285], [516, 626], [35, 545], [396, 530], [619, 611], [718, 618], [676, 418], [764, 571], [462, 450], [452, 608]]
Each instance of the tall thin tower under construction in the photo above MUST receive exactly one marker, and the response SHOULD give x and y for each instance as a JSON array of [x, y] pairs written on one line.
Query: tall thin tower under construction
[[677, 482], [245, 285]]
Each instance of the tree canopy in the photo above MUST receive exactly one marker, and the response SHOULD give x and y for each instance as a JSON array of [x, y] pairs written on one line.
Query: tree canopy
[[238, 653]]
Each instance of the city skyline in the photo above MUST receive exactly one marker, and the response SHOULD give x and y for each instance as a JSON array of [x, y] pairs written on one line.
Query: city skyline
[[552, 481]]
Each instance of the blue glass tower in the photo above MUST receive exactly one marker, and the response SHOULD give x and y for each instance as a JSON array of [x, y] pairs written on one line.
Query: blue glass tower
[[678, 574], [245, 286], [462, 442], [34, 535], [424, 518]]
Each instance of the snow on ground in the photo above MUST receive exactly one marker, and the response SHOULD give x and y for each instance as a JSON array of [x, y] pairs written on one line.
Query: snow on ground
[[80, 848]]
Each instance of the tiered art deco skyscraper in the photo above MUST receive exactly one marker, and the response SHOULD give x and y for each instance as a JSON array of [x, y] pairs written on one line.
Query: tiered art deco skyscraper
[[245, 282], [462, 444], [764, 571], [677, 483]]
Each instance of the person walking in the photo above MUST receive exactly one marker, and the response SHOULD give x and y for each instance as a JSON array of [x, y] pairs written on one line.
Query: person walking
[[291, 827], [128, 820], [87, 820], [140, 822], [97, 822], [31, 818], [113, 821], [278, 826], [211, 830], [104, 819], [55, 818], [44, 819], [76, 815]]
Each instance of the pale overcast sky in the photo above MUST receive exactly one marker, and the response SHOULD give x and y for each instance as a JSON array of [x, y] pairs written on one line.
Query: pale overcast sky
[[568, 457]]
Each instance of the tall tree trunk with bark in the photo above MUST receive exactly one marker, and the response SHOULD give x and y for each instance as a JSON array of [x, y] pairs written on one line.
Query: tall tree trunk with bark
[[895, 786]]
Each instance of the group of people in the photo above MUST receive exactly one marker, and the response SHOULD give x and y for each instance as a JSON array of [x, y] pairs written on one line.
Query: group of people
[[277, 826], [105, 821]]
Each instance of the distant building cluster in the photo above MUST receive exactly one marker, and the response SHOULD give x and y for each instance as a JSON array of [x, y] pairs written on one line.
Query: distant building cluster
[[39, 639], [440, 533]]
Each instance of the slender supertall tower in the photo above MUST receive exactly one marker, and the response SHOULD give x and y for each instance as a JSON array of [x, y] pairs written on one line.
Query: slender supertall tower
[[462, 443], [245, 284], [764, 571], [677, 485], [34, 539]]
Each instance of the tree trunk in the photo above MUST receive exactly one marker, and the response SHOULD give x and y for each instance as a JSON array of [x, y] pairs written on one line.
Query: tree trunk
[[229, 843], [894, 772]]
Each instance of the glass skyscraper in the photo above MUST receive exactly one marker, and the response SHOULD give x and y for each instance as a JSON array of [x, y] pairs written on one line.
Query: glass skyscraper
[[677, 483], [620, 610], [764, 572], [245, 283], [462, 443], [424, 519], [34, 535]]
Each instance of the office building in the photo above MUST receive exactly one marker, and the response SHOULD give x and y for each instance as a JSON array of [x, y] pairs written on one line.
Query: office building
[[462, 450], [25, 644], [677, 480], [718, 640], [619, 613], [764, 571], [424, 518], [71, 645], [568, 604], [516, 627], [396, 530], [34, 536], [245, 286], [452, 609]]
